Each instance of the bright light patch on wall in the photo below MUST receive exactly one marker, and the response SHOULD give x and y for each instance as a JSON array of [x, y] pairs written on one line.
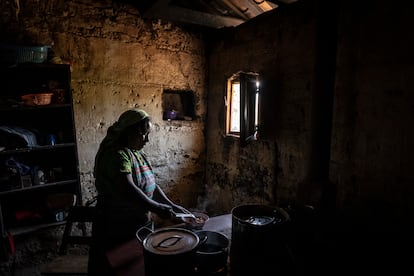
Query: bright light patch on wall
[[256, 108], [235, 107]]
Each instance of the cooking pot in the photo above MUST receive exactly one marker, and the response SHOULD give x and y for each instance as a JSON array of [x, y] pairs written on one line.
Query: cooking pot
[[257, 242], [212, 252], [168, 251]]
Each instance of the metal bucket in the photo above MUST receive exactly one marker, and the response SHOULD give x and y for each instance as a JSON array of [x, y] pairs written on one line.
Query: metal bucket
[[257, 239]]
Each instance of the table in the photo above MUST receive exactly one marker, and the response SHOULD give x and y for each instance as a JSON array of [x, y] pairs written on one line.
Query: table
[[128, 260], [220, 224]]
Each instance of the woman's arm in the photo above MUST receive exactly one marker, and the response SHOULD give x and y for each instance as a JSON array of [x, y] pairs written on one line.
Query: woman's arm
[[159, 193], [164, 210], [164, 198]]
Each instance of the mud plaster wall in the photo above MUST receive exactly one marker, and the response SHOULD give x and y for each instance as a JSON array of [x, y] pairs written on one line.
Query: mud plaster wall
[[120, 61], [370, 155], [280, 47], [372, 149]]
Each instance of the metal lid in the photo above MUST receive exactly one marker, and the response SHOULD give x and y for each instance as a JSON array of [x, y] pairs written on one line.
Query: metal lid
[[171, 241]]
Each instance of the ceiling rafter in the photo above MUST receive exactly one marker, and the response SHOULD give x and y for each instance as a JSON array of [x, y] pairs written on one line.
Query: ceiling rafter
[[208, 13], [163, 10]]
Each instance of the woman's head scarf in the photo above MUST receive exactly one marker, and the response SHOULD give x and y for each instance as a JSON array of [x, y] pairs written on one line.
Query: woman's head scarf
[[127, 119]]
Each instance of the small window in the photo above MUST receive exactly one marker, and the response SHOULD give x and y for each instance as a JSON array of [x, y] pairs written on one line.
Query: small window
[[242, 106]]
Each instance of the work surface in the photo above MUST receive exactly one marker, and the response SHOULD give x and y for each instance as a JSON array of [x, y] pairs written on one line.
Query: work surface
[[127, 259]]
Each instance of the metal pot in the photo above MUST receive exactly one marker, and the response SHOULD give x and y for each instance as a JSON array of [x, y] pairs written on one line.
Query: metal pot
[[168, 251], [258, 236], [212, 252]]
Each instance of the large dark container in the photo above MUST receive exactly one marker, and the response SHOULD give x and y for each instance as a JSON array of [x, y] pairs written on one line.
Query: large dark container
[[258, 240], [212, 253], [168, 251]]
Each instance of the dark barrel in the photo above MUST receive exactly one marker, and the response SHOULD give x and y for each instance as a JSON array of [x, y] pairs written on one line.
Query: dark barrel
[[258, 240]]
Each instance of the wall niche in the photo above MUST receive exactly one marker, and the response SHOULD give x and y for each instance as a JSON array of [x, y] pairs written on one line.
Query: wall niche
[[178, 105]]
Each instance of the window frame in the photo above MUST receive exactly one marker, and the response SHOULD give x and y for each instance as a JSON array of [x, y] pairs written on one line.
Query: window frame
[[249, 109]]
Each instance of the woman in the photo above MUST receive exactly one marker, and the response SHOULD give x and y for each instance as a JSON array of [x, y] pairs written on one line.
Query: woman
[[126, 188]]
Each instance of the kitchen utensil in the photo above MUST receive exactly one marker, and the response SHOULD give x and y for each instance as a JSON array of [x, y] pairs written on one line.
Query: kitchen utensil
[[183, 215]]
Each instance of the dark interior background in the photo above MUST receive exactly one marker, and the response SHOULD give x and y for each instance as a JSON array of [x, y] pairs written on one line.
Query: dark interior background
[[336, 108]]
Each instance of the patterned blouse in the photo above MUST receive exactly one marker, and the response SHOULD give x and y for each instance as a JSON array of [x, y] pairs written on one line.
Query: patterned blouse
[[143, 174]]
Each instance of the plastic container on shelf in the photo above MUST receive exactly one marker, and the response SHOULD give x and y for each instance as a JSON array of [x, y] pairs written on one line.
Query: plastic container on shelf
[[15, 54], [37, 99]]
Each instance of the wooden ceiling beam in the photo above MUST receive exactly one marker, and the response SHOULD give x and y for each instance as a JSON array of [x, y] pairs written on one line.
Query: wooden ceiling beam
[[163, 10]]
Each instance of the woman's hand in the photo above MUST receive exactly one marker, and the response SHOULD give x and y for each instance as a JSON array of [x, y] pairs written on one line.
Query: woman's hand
[[165, 211], [181, 209]]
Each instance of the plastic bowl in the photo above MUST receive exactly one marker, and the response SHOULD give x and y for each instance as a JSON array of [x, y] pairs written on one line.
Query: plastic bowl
[[37, 99]]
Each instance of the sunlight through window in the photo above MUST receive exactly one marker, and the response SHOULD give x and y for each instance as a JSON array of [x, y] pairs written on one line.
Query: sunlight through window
[[242, 106]]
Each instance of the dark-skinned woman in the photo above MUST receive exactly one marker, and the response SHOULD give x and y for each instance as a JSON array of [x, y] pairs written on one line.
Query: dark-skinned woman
[[126, 187]]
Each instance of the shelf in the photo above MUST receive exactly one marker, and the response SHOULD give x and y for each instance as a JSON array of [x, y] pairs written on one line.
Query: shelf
[[47, 160], [19, 107], [37, 148], [35, 227], [37, 187], [37, 66]]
